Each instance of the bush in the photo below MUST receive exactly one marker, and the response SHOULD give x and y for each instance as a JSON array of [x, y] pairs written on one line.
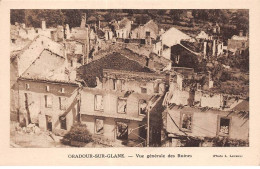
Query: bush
[[77, 136], [225, 76]]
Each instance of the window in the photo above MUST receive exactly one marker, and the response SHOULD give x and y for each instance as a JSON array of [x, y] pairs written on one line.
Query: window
[[147, 34], [121, 131], [142, 107], [48, 101], [177, 59], [27, 86], [28, 100], [114, 84], [99, 102], [156, 87], [119, 85], [186, 121], [48, 122], [143, 90], [62, 90], [124, 88], [121, 107], [62, 101], [63, 122], [243, 44], [47, 88], [224, 126], [99, 126], [142, 131]]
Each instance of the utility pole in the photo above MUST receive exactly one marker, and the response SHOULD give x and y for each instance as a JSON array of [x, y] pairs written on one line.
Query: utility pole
[[148, 128]]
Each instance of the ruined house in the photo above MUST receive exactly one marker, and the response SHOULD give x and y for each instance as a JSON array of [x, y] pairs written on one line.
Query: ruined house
[[30, 33], [168, 39], [147, 31], [200, 118], [238, 43], [44, 86], [117, 96], [122, 28], [173, 36], [143, 54], [203, 35]]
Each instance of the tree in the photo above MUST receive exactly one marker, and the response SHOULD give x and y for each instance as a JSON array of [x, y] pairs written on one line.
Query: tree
[[176, 14], [17, 15], [77, 136], [72, 17]]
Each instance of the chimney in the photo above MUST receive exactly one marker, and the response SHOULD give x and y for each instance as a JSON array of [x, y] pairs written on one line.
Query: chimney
[[241, 33], [209, 75], [83, 20], [67, 31], [23, 25], [65, 54], [205, 49], [150, 63], [214, 48], [60, 33], [210, 82], [43, 25]]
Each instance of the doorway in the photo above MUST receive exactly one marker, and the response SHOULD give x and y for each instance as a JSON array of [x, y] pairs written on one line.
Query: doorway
[[49, 123]]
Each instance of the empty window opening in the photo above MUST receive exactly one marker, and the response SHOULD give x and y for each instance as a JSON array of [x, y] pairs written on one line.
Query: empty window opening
[[27, 86], [142, 131], [99, 102], [62, 102], [122, 104], [63, 123], [48, 101], [147, 33], [121, 131], [142, 107], [49, 122], [186, 121], [224, 126], [156, 87], [47, 88], [99, 126], [143, 90], [114, 84]]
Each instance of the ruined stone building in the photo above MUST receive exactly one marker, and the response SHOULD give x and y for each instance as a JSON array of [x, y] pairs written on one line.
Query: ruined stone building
[[238, 43], [57, 34], [117, 96], [44, 90], [147, 31], [196, 117], [122, 28], [168, 39]]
